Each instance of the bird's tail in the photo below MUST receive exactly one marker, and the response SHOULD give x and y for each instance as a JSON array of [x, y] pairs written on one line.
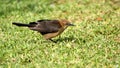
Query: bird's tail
[[21, 24]]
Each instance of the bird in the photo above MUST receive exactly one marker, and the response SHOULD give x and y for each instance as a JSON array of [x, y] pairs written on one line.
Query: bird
[[47, 28]]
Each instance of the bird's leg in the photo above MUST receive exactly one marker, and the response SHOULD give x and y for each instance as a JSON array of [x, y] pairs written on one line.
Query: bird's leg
[[59, 36], [52, 40]]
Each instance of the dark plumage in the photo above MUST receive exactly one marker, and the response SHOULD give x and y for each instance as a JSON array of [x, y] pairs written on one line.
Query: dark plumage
[[48, 28]]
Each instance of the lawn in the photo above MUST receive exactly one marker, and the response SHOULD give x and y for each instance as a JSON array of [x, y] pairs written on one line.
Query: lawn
[[93, 43]]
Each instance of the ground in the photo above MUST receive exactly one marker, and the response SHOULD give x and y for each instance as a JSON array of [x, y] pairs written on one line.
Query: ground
[[93, 43]]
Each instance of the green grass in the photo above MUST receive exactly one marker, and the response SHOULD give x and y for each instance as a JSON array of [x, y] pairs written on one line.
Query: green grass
[[93, 43]]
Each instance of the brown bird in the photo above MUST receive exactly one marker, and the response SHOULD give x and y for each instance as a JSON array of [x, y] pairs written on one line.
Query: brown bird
[[48, 28]]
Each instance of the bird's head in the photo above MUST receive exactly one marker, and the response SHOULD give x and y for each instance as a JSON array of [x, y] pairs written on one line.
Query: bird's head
[[66, 23]]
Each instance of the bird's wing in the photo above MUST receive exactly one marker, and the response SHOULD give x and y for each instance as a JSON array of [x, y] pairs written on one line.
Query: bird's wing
[[43, 20], [47, 26]]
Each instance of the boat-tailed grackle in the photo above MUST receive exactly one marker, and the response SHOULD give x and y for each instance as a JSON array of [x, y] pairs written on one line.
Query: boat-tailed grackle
[[48, 28]]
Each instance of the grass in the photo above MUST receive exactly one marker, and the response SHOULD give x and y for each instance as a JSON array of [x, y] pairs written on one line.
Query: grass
[[93, 43]]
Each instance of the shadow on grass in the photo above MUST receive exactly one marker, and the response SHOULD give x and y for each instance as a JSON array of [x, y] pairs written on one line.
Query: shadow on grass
[[65, 39], [60, 39]]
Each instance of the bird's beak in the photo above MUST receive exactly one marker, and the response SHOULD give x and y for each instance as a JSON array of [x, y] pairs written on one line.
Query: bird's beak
[[70, 24]]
